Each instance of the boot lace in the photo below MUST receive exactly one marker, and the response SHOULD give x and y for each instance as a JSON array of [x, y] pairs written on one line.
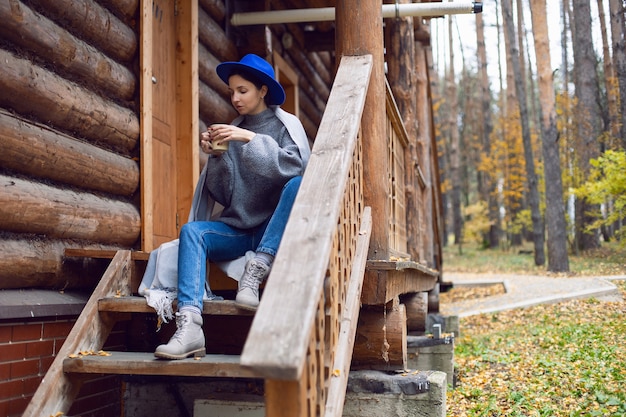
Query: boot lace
[[181, 326], [254, 275]]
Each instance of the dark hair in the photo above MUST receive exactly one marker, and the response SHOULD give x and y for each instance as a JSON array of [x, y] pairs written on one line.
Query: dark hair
[[251, 77]]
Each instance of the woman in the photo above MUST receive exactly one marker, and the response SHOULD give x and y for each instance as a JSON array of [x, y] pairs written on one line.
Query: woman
[[256, 180]]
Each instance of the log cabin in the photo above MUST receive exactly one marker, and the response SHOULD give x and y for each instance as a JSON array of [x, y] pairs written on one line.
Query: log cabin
[[101, 107]]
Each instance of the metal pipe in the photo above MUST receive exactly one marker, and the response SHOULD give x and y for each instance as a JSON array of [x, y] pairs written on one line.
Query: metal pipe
[[323, 14]]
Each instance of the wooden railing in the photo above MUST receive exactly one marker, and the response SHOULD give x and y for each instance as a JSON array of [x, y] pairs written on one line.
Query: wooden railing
[[302, 335], [397, 140]]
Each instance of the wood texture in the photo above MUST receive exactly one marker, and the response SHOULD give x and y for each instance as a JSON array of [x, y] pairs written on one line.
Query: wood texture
[[95, 24], [142, 363], [57, 46], [381, 339], [347, 333], [288, 306], [139, 305], [30, 207], [416, 310], [30, 89], [40, 152], [57, 390], [360, 31], [33, 262]]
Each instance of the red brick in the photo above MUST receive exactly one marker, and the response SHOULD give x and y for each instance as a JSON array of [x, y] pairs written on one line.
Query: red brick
[[17, 406], [5, 334], [12, 351], [31, 385], [4, 407], [24, 368], [40, 348], [5, 372], [57, 329], [46, 363], [27, 332], [10, 389]]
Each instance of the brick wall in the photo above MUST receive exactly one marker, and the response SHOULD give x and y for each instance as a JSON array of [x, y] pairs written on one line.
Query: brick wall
[[27, 349]]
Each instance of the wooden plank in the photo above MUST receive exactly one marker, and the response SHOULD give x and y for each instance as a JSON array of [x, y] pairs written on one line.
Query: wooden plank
[[103, 254], [349, 320], [57, 390], [391, 283], [187, 109], [145, 92], [285, 399], [401, 265], [139, 305], [144, 363], [289, 304]]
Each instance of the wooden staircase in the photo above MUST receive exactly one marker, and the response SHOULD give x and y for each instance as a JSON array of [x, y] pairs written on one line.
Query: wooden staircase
[[301, 339]]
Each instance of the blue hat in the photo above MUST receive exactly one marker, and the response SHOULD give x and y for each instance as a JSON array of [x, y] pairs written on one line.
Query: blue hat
[[261, 69]]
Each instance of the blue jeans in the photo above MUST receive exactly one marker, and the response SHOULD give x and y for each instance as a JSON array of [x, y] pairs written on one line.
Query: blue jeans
[[215, 241]]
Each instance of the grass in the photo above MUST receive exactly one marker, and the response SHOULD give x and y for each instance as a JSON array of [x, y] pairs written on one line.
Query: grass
[[564, 360], [610, 259]]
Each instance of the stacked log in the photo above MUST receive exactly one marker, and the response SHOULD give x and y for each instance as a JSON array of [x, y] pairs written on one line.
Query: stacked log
[[69, 131], [69, 125]]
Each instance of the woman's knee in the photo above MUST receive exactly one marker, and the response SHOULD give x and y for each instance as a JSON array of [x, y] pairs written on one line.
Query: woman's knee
[[293, 184]]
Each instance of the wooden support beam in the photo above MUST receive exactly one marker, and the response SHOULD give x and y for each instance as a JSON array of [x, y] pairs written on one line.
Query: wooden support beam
[[58, 389]]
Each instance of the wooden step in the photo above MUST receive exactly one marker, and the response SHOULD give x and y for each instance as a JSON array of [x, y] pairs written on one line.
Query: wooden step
[[130, 304], [142, 363]]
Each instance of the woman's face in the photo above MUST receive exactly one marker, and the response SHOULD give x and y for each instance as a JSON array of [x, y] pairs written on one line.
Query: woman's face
[[245, 96]]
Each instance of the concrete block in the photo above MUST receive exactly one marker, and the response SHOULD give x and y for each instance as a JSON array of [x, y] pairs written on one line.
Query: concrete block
[[398, 394], [220, 408], [424, 353]]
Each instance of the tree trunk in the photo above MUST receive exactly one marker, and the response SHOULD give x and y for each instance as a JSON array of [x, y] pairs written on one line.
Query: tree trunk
[[588, 116], [610, 80], [618, 35], [533, 191], [488, 181], [555, 209], [455, 156]]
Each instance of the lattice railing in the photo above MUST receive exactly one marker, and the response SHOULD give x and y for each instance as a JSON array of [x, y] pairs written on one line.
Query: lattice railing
[[300, 338]]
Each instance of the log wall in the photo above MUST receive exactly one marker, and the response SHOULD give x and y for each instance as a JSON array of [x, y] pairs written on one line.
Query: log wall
[[70, 125], [69, 134]]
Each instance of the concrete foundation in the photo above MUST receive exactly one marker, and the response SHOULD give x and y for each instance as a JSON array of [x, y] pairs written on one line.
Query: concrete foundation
[[426, 353], [405, 394]]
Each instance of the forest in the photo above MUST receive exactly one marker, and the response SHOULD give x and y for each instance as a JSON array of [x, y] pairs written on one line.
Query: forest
[[532, 129]]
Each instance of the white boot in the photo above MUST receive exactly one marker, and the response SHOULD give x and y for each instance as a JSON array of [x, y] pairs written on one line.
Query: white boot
[[253, 276], [188, 339]]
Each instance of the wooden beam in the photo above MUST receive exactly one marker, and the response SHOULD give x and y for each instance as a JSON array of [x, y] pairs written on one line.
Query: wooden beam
[[145, 100], [57, 389], [360, 31]]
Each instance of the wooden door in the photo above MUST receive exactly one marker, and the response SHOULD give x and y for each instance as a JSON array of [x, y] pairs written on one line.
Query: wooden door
[[169, 117], [164, 121]]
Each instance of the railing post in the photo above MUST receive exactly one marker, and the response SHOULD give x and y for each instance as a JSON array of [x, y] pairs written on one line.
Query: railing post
[[358, 35]]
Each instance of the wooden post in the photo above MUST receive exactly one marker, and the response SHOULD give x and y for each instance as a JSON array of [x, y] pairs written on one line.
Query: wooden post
[[402, 80], [425, 156], [359, 31]]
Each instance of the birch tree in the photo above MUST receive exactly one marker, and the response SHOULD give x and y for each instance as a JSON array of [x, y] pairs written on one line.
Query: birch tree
[[555, 210]]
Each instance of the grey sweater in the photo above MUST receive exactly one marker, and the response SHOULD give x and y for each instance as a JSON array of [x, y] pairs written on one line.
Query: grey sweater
[[248, 179]]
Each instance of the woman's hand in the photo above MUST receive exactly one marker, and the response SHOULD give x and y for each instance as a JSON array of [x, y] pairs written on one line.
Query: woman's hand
[[217, 135]]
